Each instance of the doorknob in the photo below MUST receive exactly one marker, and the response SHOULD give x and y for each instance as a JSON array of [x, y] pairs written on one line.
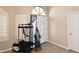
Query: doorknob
[[70, 33]]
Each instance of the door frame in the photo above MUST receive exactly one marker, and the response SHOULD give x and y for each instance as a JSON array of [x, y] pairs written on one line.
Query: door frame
[[68, 18]]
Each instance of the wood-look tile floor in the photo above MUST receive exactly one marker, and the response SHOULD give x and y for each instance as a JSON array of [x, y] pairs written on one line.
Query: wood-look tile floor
[[50, 48]]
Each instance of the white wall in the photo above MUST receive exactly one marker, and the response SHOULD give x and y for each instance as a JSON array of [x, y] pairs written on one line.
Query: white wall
[[58, 24]]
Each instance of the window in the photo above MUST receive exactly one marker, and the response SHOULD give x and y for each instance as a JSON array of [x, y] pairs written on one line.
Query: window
[[4, 25], [3, 28], [38, 11]]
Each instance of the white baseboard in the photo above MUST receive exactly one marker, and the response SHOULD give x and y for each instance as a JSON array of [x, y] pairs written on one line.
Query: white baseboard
[[5, 50], [59, 45]]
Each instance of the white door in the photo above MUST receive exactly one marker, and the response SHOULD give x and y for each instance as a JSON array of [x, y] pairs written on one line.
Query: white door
[[42, 25], [73, 28]]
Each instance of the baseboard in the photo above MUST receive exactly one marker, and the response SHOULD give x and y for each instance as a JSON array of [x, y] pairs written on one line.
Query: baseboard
[[5, 50], [59, 45]]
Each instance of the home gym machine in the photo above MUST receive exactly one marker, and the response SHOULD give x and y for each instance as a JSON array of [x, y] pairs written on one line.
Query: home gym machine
[[28, 37]]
